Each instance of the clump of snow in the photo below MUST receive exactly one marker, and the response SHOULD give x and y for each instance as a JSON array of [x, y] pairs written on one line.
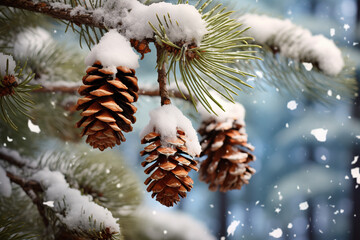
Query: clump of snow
[[72, 208], [165, 120], [135, 17], [295, 42], [112, 51], [320, 134], [5, 185], [292, 105], [4, 60], [233, 111], [232, 227], [174, 224], [303, 206], [31, 41], [276, 233], [33, 128]]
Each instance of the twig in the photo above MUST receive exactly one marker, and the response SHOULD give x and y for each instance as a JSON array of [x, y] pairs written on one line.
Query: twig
[[83, 17], [165, 98]]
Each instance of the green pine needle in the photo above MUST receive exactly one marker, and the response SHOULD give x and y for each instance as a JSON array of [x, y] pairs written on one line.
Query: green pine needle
[[17, 102], [289, 76]]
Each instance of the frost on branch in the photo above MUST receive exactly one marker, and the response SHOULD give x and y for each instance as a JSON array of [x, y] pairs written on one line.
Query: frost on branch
[[295, 42], [74, 210]]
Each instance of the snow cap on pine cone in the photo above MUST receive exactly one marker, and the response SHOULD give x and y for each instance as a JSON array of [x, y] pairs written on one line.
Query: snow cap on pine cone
[[233, 111], [113, 50], [166, 120]]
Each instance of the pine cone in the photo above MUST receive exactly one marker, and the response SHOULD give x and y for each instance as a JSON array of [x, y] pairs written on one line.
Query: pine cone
[[107, 105], [228, 154], [171, 163], [141, 46], [7, 85]]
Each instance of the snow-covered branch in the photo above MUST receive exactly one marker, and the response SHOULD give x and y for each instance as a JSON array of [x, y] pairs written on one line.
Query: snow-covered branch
[[295, 42], [63, 12], [48, 188]]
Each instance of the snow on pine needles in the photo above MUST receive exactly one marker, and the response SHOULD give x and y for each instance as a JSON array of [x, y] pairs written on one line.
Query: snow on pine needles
[[295, 42]]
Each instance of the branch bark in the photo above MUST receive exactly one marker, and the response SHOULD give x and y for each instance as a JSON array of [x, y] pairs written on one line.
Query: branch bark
[[164, 94], [84, 17]]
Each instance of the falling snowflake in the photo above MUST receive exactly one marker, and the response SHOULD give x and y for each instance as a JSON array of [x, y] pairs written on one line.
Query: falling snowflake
[[332, 32], [292, 105], [49, 203], [356, 158], [232, 227], [33, 128], [303, 206], [276, 233], [319, 134]]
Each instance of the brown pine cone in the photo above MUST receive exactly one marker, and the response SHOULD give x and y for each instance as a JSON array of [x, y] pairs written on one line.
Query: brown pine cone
[[141, 46], [107, 105], [7, 85], [227, 155], [170, 164]]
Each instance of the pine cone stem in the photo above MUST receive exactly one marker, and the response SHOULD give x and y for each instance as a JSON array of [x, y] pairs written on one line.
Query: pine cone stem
[[165, 97]]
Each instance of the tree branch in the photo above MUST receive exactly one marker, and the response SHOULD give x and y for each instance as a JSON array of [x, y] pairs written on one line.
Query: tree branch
[[165, 98], [83, 17], [142, 91]]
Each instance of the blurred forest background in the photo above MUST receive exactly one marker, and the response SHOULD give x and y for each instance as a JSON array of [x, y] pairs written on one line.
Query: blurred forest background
[[292, 166]]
